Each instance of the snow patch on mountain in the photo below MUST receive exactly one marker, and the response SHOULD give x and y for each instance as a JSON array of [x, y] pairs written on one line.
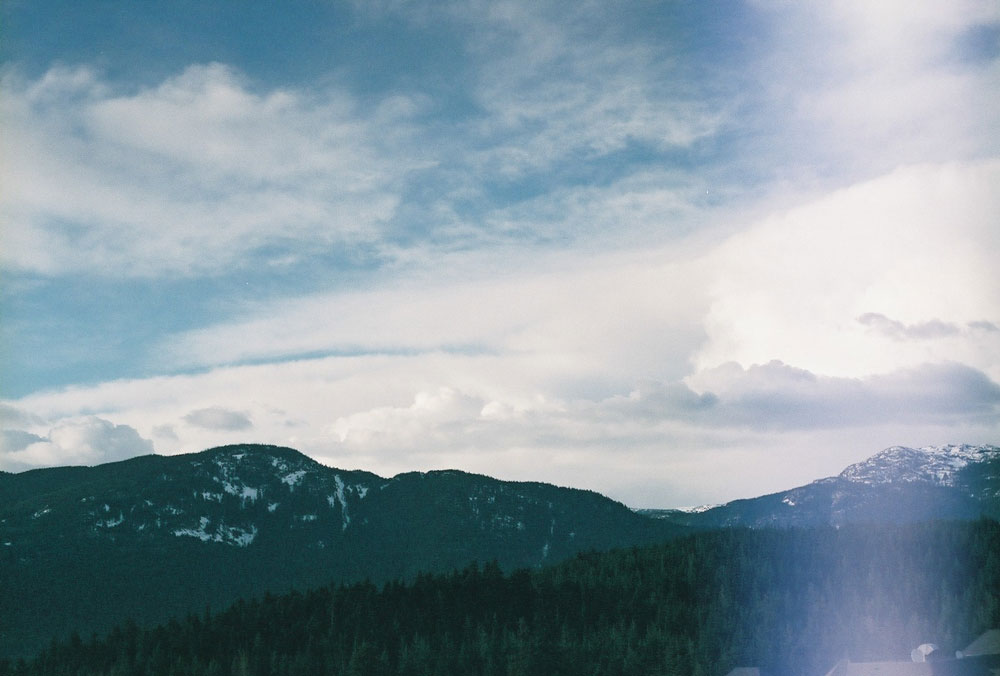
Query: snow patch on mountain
[[293, 478], [929, 464], [200, 533], [111, 523], [698, 509], [342, 498], [231, 535]]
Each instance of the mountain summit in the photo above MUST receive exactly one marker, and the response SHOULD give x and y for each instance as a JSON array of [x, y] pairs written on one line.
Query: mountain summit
[[898, 484], [256, 496], [937, 465]]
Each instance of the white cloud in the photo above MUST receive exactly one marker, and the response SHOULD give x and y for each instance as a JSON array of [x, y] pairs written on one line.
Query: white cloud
[[917, 245], [868, 86], [524, 416], [74, 441], [402, 427], [558, 83], [205, 171], [195, 174], [531, 372], [602, 315]]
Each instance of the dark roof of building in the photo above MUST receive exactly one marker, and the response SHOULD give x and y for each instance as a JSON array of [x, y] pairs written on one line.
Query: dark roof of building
[[980, 658], [988, 643], [845, 668]]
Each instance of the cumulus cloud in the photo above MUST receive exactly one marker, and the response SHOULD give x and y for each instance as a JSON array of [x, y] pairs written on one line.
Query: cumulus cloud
[[218, 418], [532, 416], [85, 441], [405, 425]]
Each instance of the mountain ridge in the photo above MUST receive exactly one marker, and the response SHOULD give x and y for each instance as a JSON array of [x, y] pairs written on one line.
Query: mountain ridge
[[255, 518], [252, 519], [896, 484]]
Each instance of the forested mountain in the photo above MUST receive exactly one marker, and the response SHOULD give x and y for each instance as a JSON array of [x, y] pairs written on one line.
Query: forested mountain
[[896, 485], [154, 537], [791, 601], [158, 537]]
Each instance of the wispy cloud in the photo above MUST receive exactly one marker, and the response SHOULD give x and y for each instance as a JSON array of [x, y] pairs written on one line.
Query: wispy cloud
[[788, 287], [929, 330], [559, 85], [195, 175]]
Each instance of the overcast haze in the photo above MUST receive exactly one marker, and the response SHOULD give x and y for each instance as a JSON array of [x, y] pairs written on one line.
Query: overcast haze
[[676, 252]]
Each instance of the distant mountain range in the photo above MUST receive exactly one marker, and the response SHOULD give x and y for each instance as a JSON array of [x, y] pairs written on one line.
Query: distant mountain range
[[896, 485], [155, 536]]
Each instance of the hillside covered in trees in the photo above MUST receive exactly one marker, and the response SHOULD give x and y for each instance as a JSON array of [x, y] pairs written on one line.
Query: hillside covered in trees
[[792, 601]]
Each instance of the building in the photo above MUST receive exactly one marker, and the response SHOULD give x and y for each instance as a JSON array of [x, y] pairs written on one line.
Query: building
[[979, 658]]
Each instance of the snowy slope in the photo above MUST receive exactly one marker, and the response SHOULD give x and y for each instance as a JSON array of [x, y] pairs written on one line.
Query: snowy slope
[[898, 484], [938, 465]]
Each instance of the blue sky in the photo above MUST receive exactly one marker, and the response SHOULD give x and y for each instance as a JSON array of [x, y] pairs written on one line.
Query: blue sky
[[610, 246]]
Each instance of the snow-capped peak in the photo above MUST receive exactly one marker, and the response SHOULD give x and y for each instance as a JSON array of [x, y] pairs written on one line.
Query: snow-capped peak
[[929, 464], [698, 509]]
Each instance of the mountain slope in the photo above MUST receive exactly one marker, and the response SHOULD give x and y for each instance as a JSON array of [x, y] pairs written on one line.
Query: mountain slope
[[896, 485], [696, 605], [153, 537]]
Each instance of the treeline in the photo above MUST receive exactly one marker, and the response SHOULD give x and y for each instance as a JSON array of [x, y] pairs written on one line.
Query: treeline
[[792, 602]]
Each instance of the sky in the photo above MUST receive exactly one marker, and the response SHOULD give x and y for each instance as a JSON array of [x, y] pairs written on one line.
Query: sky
[[676, 252]]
